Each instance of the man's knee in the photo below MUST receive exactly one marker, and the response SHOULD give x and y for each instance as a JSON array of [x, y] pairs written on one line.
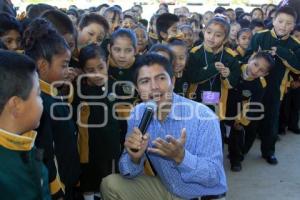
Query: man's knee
[[110, 182]]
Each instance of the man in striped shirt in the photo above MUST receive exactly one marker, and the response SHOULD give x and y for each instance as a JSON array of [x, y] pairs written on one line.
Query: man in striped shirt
[[183, 144]]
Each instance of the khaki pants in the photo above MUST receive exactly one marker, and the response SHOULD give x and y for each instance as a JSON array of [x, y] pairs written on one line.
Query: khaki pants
[[143, 187]]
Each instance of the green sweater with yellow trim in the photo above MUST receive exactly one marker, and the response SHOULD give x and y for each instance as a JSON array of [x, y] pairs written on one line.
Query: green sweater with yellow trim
[[23, 175], [243, 103], [201, 73], [123, 86], [58, 138], [287, 59], [100, 140]]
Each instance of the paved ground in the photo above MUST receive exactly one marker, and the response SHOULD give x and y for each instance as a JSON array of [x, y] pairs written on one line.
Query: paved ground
[[261, 181]]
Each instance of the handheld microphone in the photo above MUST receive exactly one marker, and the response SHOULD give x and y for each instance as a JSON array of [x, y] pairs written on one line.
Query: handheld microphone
[[146, 118]]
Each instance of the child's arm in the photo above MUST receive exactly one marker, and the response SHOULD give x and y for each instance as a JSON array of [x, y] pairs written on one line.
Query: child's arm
[[45, 141], [235, 71], [253, 109], [290, 58]]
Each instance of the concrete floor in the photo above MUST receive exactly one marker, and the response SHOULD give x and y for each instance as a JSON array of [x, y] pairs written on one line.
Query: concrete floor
[[260, 181]]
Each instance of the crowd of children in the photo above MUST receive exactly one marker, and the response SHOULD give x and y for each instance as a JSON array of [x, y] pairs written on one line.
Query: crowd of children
[[68, 75]]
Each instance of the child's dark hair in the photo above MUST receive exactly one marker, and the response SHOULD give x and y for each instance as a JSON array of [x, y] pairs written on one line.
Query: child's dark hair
[[73, 12], [256, 23], [141, 27], [265, 55], [89, 52], [152, 59], [164, 22], [221, 21], [41, 40], [36, 10], [185, 26], [244, 15], [271, 13], [144, 22], [161, 47], [93, 18], [219, 10], [8, 23], [243, 30], [124, 32], [60, 21], [165, 5], [255, 9], [177, 42], [16, 77], [130, 17], [287, 10], [229, 10], [118, 6], [116, 12], [244, 23], [197, 23]]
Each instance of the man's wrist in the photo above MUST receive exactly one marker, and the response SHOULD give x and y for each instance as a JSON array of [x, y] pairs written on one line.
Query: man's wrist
[[178, 159]]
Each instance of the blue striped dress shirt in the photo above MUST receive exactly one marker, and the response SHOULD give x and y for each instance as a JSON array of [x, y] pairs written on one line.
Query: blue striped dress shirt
[[201, 172]]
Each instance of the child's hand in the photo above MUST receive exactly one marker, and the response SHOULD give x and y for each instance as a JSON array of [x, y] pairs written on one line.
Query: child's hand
[[71, 74], [219, 66], [225, 72], [273, 51], [237, 126]]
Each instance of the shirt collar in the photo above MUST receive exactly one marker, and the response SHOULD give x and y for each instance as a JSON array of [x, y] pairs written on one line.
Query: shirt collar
[[47, 88], [208, 49], [176, 112], [16, 142], [275, 36]]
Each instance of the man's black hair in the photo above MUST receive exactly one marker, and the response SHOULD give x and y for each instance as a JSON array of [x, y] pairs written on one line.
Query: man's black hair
[[16, 77]]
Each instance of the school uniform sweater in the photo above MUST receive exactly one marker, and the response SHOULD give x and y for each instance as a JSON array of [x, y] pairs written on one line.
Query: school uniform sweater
[[22, 172], [58, 138], [203, 75], [287, 59], [243, 99]]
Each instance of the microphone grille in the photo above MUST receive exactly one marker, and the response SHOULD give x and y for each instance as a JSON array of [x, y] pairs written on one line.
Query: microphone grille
[[151, 104]]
